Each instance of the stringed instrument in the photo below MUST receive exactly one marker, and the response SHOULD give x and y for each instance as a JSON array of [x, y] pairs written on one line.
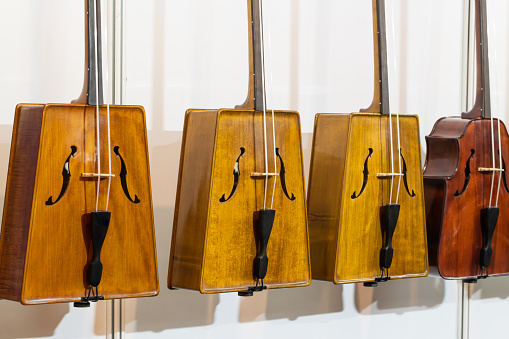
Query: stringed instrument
[[248, 231], [365, 195], [467, 197], [77, 222]]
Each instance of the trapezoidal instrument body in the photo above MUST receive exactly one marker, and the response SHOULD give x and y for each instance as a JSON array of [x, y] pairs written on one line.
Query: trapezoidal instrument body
[[214, 244], [46, 243], [345, 196], [361, 229], [74, 228], [240, 220]]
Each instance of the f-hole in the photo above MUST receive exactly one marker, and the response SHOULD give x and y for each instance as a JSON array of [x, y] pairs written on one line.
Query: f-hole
[[365, 172], [404, 172], [282, 173], [503, 174], [467, 175], [123, 179], [236, 176], [66, 177]]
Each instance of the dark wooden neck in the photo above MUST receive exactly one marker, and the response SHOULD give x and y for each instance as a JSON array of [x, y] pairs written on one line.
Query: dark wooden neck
[[93, 56], [380, 102], [255, 96], [482, 105]]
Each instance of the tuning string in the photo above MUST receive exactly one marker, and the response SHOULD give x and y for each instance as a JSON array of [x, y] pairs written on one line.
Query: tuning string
[[392, 157], [497, 110], [391, 139], [108, 100], [98, 155], [265, 145], [393, 21], [273, 115]]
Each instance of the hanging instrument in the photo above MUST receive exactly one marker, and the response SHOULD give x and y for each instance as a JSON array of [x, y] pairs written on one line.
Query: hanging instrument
[[365, 195], [467, 197], [77, 222], [248, 231]]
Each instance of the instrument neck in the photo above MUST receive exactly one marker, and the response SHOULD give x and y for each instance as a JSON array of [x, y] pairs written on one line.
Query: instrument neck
[[92, 93], [482, 105], [256, 88], [380, 102]]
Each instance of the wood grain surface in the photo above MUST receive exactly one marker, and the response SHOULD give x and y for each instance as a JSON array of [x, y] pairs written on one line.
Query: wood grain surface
[[454, 222], [214, 246], [340, 148], [58, 245]]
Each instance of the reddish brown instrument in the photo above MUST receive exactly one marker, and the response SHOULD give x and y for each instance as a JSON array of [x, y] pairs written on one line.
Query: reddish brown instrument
[[458, 180], [52, 231]]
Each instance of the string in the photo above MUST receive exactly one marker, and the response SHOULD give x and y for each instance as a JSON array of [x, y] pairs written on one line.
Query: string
[[495, 61], [98, 155], [265, 145], [392, 157], [273, 115], [391, 146], [108, 100], [486, 85], [397, 91]]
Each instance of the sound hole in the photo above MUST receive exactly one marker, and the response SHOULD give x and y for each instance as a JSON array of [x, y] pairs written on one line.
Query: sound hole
[[365, 172], [282, 174], [504, 174], [412, 195], [467, 175], [123, 177], [236, 176], [66, 177]]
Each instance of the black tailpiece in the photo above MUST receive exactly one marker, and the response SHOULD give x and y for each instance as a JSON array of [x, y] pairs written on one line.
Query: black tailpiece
[[100, 221], [489, 218], [389, 215], [264, 221]]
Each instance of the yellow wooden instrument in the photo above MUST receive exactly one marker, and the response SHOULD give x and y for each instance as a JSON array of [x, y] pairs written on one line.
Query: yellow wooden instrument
[[247, 231], [365, 196], [77, 222]]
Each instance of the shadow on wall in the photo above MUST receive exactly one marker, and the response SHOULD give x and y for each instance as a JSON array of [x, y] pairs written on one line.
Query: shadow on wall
[[177, 308], [400, 296], [291, 303], [493, 287], [18, 321]]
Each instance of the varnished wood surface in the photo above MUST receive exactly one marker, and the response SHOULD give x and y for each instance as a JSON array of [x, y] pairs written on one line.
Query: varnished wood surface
[[337, 163], [17, 207], [193, 194], [58, 246], [455, 221], [326, 172], [224, 260], [376, 103], [454, 204]]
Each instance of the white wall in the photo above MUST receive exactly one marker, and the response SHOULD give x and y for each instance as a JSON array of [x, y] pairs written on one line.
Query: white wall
[[193, 54]]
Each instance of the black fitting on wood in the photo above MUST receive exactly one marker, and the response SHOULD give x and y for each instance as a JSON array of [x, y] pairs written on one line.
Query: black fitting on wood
[[100, 221], [264, 225], [489, 218], [389, 219]]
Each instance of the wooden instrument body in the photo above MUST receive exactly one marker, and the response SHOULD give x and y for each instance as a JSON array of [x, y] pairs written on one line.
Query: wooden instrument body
[[345, 233], [213, 242], [454, 199], [45, 249]]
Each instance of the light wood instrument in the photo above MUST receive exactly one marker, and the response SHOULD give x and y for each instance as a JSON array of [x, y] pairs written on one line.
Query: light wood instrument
[[243, 232], [75, 227], [365, 195]]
